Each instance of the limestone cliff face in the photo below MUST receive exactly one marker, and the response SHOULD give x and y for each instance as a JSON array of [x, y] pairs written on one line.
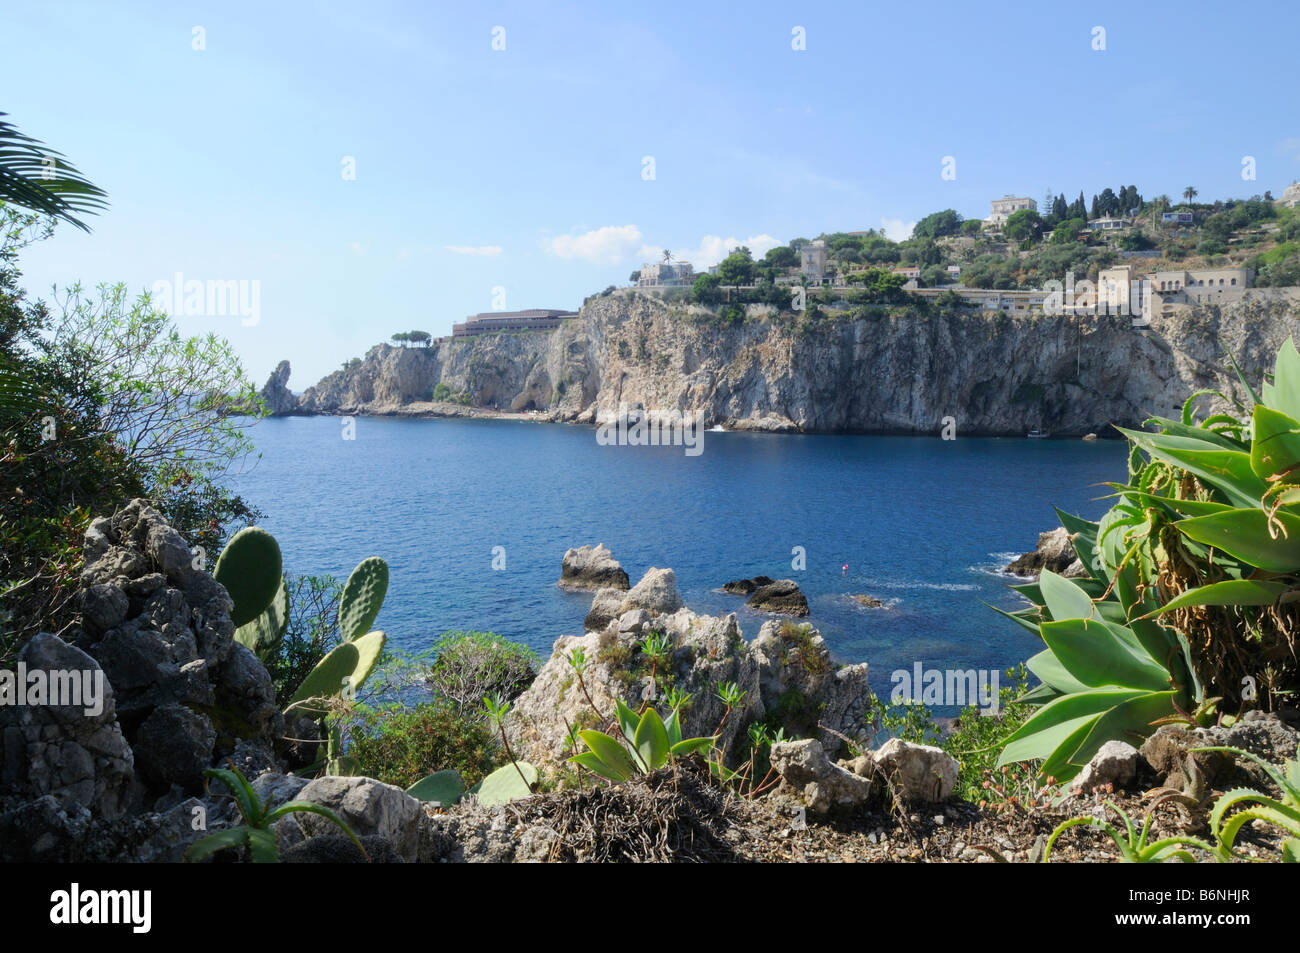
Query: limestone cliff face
[[902, 373]]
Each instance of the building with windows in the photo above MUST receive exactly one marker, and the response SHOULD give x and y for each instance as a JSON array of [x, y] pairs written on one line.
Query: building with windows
[[495, 322], [1108, 224], [1291, 195], [1005, 207], [812, 259], [663, 274], [1178, 218]]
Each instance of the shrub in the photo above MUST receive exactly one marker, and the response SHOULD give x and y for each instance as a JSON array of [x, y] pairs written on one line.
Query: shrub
[[400, 745], [311, 633], [470, 666]]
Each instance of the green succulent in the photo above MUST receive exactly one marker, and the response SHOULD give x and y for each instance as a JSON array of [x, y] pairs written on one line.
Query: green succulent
[[1282, 812], [442, 787], [362, 598], [648, 743], [250, 569], [1134, 845], [262, 635], [507, 783], [1201, 547], [257, 833], [339, 673]]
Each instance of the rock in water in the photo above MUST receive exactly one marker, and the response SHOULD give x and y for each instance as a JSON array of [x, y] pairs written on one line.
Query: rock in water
[[279, 399], [655, 594], [743, 587], [869, 602], [592, 568], [783, 597], [1055, 553]]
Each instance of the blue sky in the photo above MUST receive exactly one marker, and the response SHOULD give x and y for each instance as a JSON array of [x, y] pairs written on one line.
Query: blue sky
[[522, 168]]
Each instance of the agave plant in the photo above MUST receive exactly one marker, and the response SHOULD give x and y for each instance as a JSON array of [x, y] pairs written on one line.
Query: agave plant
[[1135, 846], [256, 833], [1191, 582], [648, 743], [1282, 813]]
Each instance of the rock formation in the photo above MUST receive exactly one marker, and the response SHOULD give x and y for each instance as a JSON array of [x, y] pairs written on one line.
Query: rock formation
[[1055, 553], [275, 392], [592, 568], [897, 371], [786, 673], [783, 597]]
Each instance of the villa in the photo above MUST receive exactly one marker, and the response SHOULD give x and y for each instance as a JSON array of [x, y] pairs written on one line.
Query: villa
[[532, 319]]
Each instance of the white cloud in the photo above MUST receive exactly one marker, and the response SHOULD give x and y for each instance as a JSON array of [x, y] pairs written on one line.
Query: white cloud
[[474, 249], [605, 246], [713, 248], [896, 230]]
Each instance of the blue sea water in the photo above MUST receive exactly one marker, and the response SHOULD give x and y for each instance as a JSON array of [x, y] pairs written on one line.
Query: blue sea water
[[921, 523]]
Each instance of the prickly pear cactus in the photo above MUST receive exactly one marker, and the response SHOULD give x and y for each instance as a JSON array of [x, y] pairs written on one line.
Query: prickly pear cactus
[[348, 666], [363, 597], [441, 787], [504, 784], [249, 567], [264, 633]]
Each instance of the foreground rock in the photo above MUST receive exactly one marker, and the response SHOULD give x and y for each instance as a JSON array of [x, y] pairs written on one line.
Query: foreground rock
[[783, 597], [104, 777], [1055, 553], [817, 782], [786, 674], [656, 594], [1170, 755], [592, 568], [369, 807]]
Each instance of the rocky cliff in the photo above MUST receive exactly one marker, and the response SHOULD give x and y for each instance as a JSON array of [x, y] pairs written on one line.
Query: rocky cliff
[[901, 371]]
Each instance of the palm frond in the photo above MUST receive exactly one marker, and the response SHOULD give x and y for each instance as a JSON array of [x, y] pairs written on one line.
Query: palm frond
[[40, 179]]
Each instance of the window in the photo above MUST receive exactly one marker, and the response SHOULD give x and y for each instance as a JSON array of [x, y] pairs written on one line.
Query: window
[[1234, 281]]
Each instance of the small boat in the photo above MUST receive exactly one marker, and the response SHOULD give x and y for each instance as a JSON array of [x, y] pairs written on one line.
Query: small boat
[[1037, 434]]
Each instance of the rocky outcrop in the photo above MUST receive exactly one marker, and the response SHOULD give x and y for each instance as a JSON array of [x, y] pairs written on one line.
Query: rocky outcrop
[[186, 691], [915, 774], [72, 753], [655, 594], [779, 596], [1055, 553], [786, 674], [275, 392], [165, 693], [592, 568], [896, 371]]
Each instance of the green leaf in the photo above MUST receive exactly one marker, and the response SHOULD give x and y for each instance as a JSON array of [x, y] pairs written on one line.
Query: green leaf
[[442, 787], [1097, 655], [320, 810], [1285, 395], [1049, 670], [627, 720], [262, 846], [1064, 599], [221, 840], [693, 746], [609, 751], [1276, 445], [1052, 724], [1230, 592], [1243, 534], [651, 740], [1227, 471], [250, 807], [1128, 721], [591, 761], [673, 725]]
